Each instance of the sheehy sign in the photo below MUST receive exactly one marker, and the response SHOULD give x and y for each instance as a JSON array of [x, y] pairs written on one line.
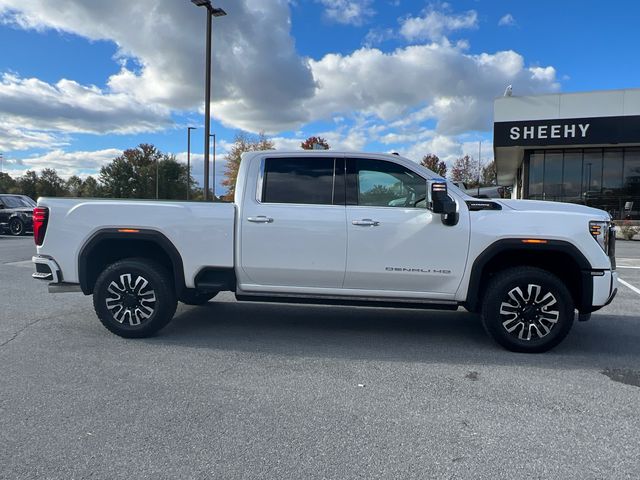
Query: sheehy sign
[[568, 131]]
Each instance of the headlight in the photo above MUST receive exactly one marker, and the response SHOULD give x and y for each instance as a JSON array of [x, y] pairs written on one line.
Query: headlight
[[600, 232]]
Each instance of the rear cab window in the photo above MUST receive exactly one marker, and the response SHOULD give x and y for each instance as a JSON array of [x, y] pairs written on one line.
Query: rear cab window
[[303, 180]]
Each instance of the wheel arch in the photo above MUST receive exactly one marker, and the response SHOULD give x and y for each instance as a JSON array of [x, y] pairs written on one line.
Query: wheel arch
[[112, 244], [561, 258]]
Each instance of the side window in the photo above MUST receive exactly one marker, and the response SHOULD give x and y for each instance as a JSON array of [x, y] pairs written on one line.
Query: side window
[[387, 184], [299, 180]]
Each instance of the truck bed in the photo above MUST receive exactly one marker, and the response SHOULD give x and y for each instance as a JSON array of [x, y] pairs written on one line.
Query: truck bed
[[203, 230]]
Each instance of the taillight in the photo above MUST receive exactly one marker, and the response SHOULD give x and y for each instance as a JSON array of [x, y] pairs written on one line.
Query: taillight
[[40, 217]]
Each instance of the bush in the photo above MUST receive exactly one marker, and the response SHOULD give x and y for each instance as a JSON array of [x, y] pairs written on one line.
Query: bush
[[629, 231]]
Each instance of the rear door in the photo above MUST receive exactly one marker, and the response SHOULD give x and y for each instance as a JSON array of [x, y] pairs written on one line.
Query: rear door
[[293, 224], [395, 244]]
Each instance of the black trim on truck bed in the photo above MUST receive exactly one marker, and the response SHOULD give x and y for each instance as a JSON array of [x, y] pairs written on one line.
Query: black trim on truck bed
[[87, 277]]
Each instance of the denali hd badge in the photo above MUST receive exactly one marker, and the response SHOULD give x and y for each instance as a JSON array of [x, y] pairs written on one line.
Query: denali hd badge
[[418, 270]]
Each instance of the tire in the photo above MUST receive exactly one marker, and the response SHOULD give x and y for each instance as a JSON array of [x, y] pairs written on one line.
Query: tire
[[527, 309], [129, 307], [192, 297], [16, 227]]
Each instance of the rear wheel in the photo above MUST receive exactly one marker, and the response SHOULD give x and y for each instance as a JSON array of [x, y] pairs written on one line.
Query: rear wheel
[[16, 227], [527, 309], [134, 298]]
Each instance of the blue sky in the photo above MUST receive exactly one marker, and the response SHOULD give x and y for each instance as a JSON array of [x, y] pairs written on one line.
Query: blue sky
[[84, 81]]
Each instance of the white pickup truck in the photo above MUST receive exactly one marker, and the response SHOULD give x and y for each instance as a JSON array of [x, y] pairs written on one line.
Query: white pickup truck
[[335, 228]]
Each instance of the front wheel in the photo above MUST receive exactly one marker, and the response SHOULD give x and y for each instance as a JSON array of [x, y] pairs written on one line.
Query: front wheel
[[134, 298], [527, 309]]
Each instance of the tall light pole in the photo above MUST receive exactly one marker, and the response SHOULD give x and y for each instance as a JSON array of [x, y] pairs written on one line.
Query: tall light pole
[[211, 12], [157, 175], [189, 159], [213, 135], [479, 165]]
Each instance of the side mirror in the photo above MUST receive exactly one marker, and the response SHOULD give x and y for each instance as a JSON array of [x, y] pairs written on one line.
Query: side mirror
[[440, 202]]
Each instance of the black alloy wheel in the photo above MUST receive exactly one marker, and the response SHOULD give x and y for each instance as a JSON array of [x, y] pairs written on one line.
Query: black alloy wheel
[[527, 309], [134, 298]]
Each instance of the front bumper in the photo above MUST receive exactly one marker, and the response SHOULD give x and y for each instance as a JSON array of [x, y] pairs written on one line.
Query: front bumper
[[605, 288]]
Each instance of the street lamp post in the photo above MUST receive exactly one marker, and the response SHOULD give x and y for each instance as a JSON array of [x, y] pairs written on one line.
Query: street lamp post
[[211, 12], [214, 167], [189, 160]]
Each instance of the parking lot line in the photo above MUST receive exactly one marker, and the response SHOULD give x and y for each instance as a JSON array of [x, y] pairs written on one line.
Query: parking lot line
[[626, 266], [628, 285]]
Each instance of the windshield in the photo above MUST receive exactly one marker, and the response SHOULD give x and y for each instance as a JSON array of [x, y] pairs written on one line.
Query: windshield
[[16, 202]]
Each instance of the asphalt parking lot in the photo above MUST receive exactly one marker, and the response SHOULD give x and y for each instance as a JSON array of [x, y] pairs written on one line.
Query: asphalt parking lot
[[234, 390]]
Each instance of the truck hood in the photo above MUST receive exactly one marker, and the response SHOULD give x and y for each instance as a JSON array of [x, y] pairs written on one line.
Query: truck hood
[[554, 207]]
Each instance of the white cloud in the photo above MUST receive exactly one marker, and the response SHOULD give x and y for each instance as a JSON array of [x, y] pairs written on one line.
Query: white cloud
[[348, 12], [417, 83], [258, 78], [507, 20], [435, 24], [70, 107], [82, 163], [376, 36], [14, 137]]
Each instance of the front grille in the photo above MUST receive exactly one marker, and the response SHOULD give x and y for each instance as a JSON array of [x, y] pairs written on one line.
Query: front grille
[[612, 246]]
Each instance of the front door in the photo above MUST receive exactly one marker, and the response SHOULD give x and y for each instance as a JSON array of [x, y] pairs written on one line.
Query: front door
[[394, 243], [293, 230]]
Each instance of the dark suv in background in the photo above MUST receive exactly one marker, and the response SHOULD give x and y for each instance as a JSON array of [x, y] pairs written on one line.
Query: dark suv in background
[[16, 214]]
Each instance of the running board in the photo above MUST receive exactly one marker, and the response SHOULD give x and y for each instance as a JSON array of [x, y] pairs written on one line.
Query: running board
[[351, 302]]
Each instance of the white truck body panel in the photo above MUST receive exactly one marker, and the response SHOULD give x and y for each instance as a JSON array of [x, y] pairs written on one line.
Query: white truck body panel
[[317, 250], [202, 233]]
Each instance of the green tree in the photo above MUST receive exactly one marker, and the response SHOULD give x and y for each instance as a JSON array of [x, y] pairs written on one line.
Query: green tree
[[28, 184], [489, 174], [50, 184], [134, 175], [7, 184], [90, 188], [74, 186], [433, 163], [312, 143], [242, 143]]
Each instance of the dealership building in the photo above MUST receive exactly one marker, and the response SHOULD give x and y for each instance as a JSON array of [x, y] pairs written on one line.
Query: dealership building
[[572, 147]]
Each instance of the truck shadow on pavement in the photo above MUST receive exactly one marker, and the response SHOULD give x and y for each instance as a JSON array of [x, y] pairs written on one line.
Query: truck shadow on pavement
[[388, 334]]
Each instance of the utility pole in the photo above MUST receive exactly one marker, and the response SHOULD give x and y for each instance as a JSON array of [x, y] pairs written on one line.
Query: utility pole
[[213, 135], [211, 12], [479, 165], [189, 160]]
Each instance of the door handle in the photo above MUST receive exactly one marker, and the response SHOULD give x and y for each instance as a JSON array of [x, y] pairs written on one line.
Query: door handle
[[366, 222], [260, 219]]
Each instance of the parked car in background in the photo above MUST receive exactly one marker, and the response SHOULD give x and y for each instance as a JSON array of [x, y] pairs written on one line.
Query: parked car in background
[[16, 213]]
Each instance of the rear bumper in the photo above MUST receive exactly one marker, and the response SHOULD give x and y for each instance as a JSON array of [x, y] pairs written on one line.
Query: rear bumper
[[46, 269]]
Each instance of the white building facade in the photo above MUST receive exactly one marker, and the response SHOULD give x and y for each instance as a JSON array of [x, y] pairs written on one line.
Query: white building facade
[[572, 147]]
